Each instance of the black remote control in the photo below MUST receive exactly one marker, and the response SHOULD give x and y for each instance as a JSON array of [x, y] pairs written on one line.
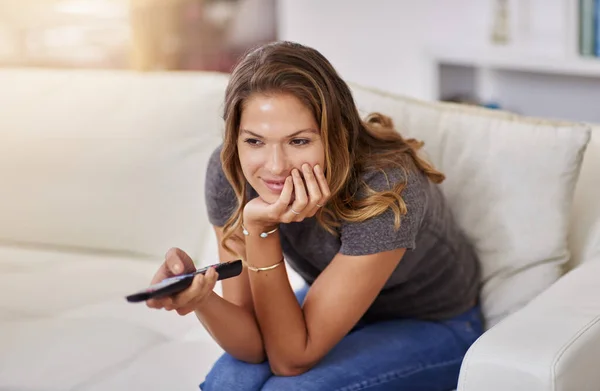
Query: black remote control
[[176, 284]]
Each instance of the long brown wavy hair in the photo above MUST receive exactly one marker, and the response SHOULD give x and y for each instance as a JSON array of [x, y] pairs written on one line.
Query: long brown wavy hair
[[352, 146]]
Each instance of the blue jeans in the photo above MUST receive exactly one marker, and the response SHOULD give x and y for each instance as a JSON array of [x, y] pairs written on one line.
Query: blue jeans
[[412, 355]]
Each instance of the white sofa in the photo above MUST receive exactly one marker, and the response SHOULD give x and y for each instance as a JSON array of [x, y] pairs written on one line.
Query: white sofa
[[102, 172]]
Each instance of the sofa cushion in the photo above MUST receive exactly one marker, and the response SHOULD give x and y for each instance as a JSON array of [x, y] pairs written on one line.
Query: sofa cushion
[[584, 236], [510, 184], [108, 161], [58, 307]]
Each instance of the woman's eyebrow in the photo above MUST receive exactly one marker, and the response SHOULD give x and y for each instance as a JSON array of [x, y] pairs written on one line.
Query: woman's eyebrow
[[311, 130]]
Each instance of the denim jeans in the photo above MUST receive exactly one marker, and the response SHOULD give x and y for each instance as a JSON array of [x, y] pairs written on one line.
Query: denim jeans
[[404, 354]]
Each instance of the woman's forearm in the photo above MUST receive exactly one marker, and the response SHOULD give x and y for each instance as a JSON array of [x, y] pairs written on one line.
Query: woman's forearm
[[233, 327], [279, 315]]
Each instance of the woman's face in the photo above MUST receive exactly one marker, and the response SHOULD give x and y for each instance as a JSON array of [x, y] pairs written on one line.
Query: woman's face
[[277, 134]]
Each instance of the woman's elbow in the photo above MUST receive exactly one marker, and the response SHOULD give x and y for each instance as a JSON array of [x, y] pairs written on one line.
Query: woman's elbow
[[255, 360], [287, 369], [250, 357]]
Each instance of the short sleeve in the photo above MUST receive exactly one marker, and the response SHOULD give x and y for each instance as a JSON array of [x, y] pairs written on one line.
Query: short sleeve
[[220, 198], [378, 234]]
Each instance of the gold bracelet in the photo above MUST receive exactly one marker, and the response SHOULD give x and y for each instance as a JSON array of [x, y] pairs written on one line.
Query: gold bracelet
[[262, 269]]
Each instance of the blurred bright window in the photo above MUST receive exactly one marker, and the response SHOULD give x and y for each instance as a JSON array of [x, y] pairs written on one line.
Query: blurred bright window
[[138, 34]]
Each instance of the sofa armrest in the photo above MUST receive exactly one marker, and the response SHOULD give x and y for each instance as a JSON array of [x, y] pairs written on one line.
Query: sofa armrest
[[553, 343]]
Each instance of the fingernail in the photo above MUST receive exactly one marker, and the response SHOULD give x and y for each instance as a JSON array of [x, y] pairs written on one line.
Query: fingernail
[[177, 268], [317, 169]]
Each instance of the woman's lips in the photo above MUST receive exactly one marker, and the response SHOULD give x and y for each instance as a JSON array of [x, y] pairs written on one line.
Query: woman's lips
[[274, 186]]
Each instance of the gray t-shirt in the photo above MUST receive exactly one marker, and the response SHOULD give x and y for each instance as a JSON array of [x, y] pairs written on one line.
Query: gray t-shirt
[[438, 276]]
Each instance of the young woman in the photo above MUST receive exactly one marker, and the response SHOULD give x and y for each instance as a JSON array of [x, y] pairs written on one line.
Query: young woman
[[392, 283]]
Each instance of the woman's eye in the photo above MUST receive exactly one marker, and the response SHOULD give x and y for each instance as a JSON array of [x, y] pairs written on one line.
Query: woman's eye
[[252, 141], [300, 141], [296, 142]]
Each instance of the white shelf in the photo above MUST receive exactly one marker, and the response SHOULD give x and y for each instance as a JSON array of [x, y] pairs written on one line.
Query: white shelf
[[511, 59]]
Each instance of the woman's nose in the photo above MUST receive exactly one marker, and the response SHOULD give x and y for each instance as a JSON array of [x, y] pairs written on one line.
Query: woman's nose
[[277, 161]]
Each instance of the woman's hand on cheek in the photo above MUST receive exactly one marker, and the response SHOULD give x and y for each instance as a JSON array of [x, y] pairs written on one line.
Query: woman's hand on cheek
[[307, 200], [309, 197], [260, 214]]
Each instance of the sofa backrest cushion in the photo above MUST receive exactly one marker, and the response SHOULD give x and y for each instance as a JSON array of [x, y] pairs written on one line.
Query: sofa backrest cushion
[[107, 161], [510, 184]]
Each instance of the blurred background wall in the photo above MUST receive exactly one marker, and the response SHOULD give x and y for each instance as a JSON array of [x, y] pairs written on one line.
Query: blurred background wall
[[378, 42], [536, 57]]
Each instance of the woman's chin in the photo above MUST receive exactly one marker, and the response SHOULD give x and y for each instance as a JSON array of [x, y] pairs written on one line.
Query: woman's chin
[[271, 198]]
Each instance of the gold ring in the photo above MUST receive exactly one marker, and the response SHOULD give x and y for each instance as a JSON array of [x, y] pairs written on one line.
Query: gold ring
[[319, 205]]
